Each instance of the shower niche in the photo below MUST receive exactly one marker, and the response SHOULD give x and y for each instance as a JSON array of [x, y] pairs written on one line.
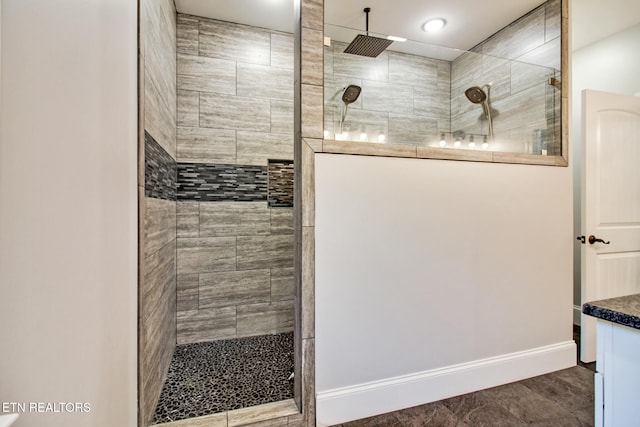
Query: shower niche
[[503, 95]]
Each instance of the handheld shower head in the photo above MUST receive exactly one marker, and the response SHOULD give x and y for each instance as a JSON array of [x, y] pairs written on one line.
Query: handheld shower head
[[351, 94], [476, 95]]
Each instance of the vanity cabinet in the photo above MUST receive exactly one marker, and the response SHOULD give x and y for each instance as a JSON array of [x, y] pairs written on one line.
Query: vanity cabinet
[[617, 377]]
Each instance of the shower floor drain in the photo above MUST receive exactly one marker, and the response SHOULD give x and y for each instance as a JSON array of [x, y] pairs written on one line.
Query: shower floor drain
[[217, 376]]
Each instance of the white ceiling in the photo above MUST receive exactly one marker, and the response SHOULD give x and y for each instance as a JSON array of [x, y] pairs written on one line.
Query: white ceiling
[[468, 22], [593, 20]]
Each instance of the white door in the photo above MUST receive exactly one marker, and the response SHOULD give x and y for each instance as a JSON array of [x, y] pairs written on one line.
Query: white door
[[610, 203]]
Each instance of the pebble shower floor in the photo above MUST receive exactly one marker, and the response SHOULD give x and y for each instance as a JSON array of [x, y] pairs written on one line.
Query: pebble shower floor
[[217, 376]]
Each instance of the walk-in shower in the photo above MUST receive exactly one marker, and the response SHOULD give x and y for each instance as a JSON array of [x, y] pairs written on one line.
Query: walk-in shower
[[478, 95]]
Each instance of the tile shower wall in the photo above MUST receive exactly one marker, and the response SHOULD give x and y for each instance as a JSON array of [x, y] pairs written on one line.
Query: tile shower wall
[[404, 97], [518, 61], [157, 195], [235, 233]]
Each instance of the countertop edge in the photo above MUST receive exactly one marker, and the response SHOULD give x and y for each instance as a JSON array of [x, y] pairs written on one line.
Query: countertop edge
[[618, 317]]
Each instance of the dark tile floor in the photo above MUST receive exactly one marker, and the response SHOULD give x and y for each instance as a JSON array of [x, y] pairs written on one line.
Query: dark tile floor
[[217, 376], [559, 399]]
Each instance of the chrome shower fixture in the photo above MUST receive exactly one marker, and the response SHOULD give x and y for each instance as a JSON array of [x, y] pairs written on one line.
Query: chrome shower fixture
[[477, 95]]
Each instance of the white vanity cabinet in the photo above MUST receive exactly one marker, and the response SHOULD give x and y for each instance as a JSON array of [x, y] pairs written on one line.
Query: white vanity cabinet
[[617, 377]]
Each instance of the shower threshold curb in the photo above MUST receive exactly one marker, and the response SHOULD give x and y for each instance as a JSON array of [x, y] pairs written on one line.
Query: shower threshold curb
[[240, 417]]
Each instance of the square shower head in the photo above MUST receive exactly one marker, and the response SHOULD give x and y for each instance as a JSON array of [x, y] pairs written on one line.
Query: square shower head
[[367, 46]]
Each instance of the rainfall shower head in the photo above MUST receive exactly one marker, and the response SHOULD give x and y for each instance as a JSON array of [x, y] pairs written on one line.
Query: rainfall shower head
[[366, 45], [351, 94]]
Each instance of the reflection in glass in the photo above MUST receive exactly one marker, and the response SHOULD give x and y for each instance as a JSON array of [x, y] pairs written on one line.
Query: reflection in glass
[[504, 95]]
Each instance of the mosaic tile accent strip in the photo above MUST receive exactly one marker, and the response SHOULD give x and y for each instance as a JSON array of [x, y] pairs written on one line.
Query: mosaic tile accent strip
[[280, 184], [214, 182], [217, 376], [159, 171]]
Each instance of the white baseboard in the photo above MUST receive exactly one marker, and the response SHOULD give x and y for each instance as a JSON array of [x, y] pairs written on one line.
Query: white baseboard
[[374, 398], [577, 311]]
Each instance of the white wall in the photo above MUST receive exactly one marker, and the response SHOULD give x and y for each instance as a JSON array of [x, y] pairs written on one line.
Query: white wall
[[68, 209], [423, 265], [610, 65]]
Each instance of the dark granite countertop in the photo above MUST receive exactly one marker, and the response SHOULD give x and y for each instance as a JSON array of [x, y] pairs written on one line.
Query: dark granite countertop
[[621, 310]]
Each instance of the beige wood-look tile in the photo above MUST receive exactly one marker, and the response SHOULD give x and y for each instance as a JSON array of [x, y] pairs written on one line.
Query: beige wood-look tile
[[204, 74], [308, 181], [546, 55], [188, 108], [215, 420], [276, 422], [241, 417], [262, 81], [187, 292], [296, 421], [314, 144], [159, 119], [312, 52], [234, 219], [206, 254], [270, 251], [368, 148], [233, 112], [160, 52], [312, 111], [553, 17], [256, 148], [521, 36], [204, 145], [312, 14], [309, 375], [226, 40], [282, 284], [454, 154], [413, 70], [159, 223], [158, 324], [407, 129], [282, 116], [565, 132], [282, 51], [187, 34], [206, 325], [307, 292], [234, 288], [281, 220], [265, 318], [187, 219], [527, 159]]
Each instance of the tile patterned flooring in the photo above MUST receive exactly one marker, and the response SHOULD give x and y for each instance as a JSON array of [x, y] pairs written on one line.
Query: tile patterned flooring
[[217, 376], [559, 399]]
